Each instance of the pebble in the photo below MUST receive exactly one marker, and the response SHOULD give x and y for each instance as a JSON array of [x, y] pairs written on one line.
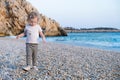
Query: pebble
[[58, 62]]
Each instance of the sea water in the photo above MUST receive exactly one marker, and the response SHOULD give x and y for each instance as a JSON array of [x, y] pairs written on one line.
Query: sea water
[[103, 40]]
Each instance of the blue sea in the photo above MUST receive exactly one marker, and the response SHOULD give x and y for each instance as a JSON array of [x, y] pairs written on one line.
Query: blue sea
[[103, 40]]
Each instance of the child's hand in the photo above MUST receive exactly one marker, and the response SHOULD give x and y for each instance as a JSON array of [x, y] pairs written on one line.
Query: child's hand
[[44, 41], [18, 37]]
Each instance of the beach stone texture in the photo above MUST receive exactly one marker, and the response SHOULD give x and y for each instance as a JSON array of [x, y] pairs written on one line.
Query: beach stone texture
[[58, 62], [13, 17]]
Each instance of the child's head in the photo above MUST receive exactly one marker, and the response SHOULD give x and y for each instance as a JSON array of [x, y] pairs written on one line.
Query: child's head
[[33, 18]]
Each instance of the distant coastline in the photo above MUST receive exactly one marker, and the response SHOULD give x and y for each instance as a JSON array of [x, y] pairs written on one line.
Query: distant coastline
[[97, 29]]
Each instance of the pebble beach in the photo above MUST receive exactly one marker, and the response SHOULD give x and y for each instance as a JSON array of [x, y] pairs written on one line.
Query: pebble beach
[[58, 62]]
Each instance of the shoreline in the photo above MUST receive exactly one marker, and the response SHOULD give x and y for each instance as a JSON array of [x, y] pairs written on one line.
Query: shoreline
[[89, 46], [71, 44], [58, 61]]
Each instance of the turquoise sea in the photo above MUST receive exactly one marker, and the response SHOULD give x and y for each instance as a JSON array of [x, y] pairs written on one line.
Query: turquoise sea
[[103, 40]]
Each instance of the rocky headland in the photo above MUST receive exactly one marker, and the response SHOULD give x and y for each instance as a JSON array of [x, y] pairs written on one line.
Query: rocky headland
[[13, 17]]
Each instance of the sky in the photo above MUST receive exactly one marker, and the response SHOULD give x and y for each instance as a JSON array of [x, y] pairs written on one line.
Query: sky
[[81, 13]]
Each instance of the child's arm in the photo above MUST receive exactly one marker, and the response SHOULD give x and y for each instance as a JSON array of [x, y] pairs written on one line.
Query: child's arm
[[43, 37], [20, 35]]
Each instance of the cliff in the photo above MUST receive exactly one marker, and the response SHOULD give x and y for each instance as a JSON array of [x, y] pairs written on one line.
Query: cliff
[[13, 17]]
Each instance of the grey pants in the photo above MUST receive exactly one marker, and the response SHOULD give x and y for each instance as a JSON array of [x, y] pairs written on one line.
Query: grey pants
[[31, 54]]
